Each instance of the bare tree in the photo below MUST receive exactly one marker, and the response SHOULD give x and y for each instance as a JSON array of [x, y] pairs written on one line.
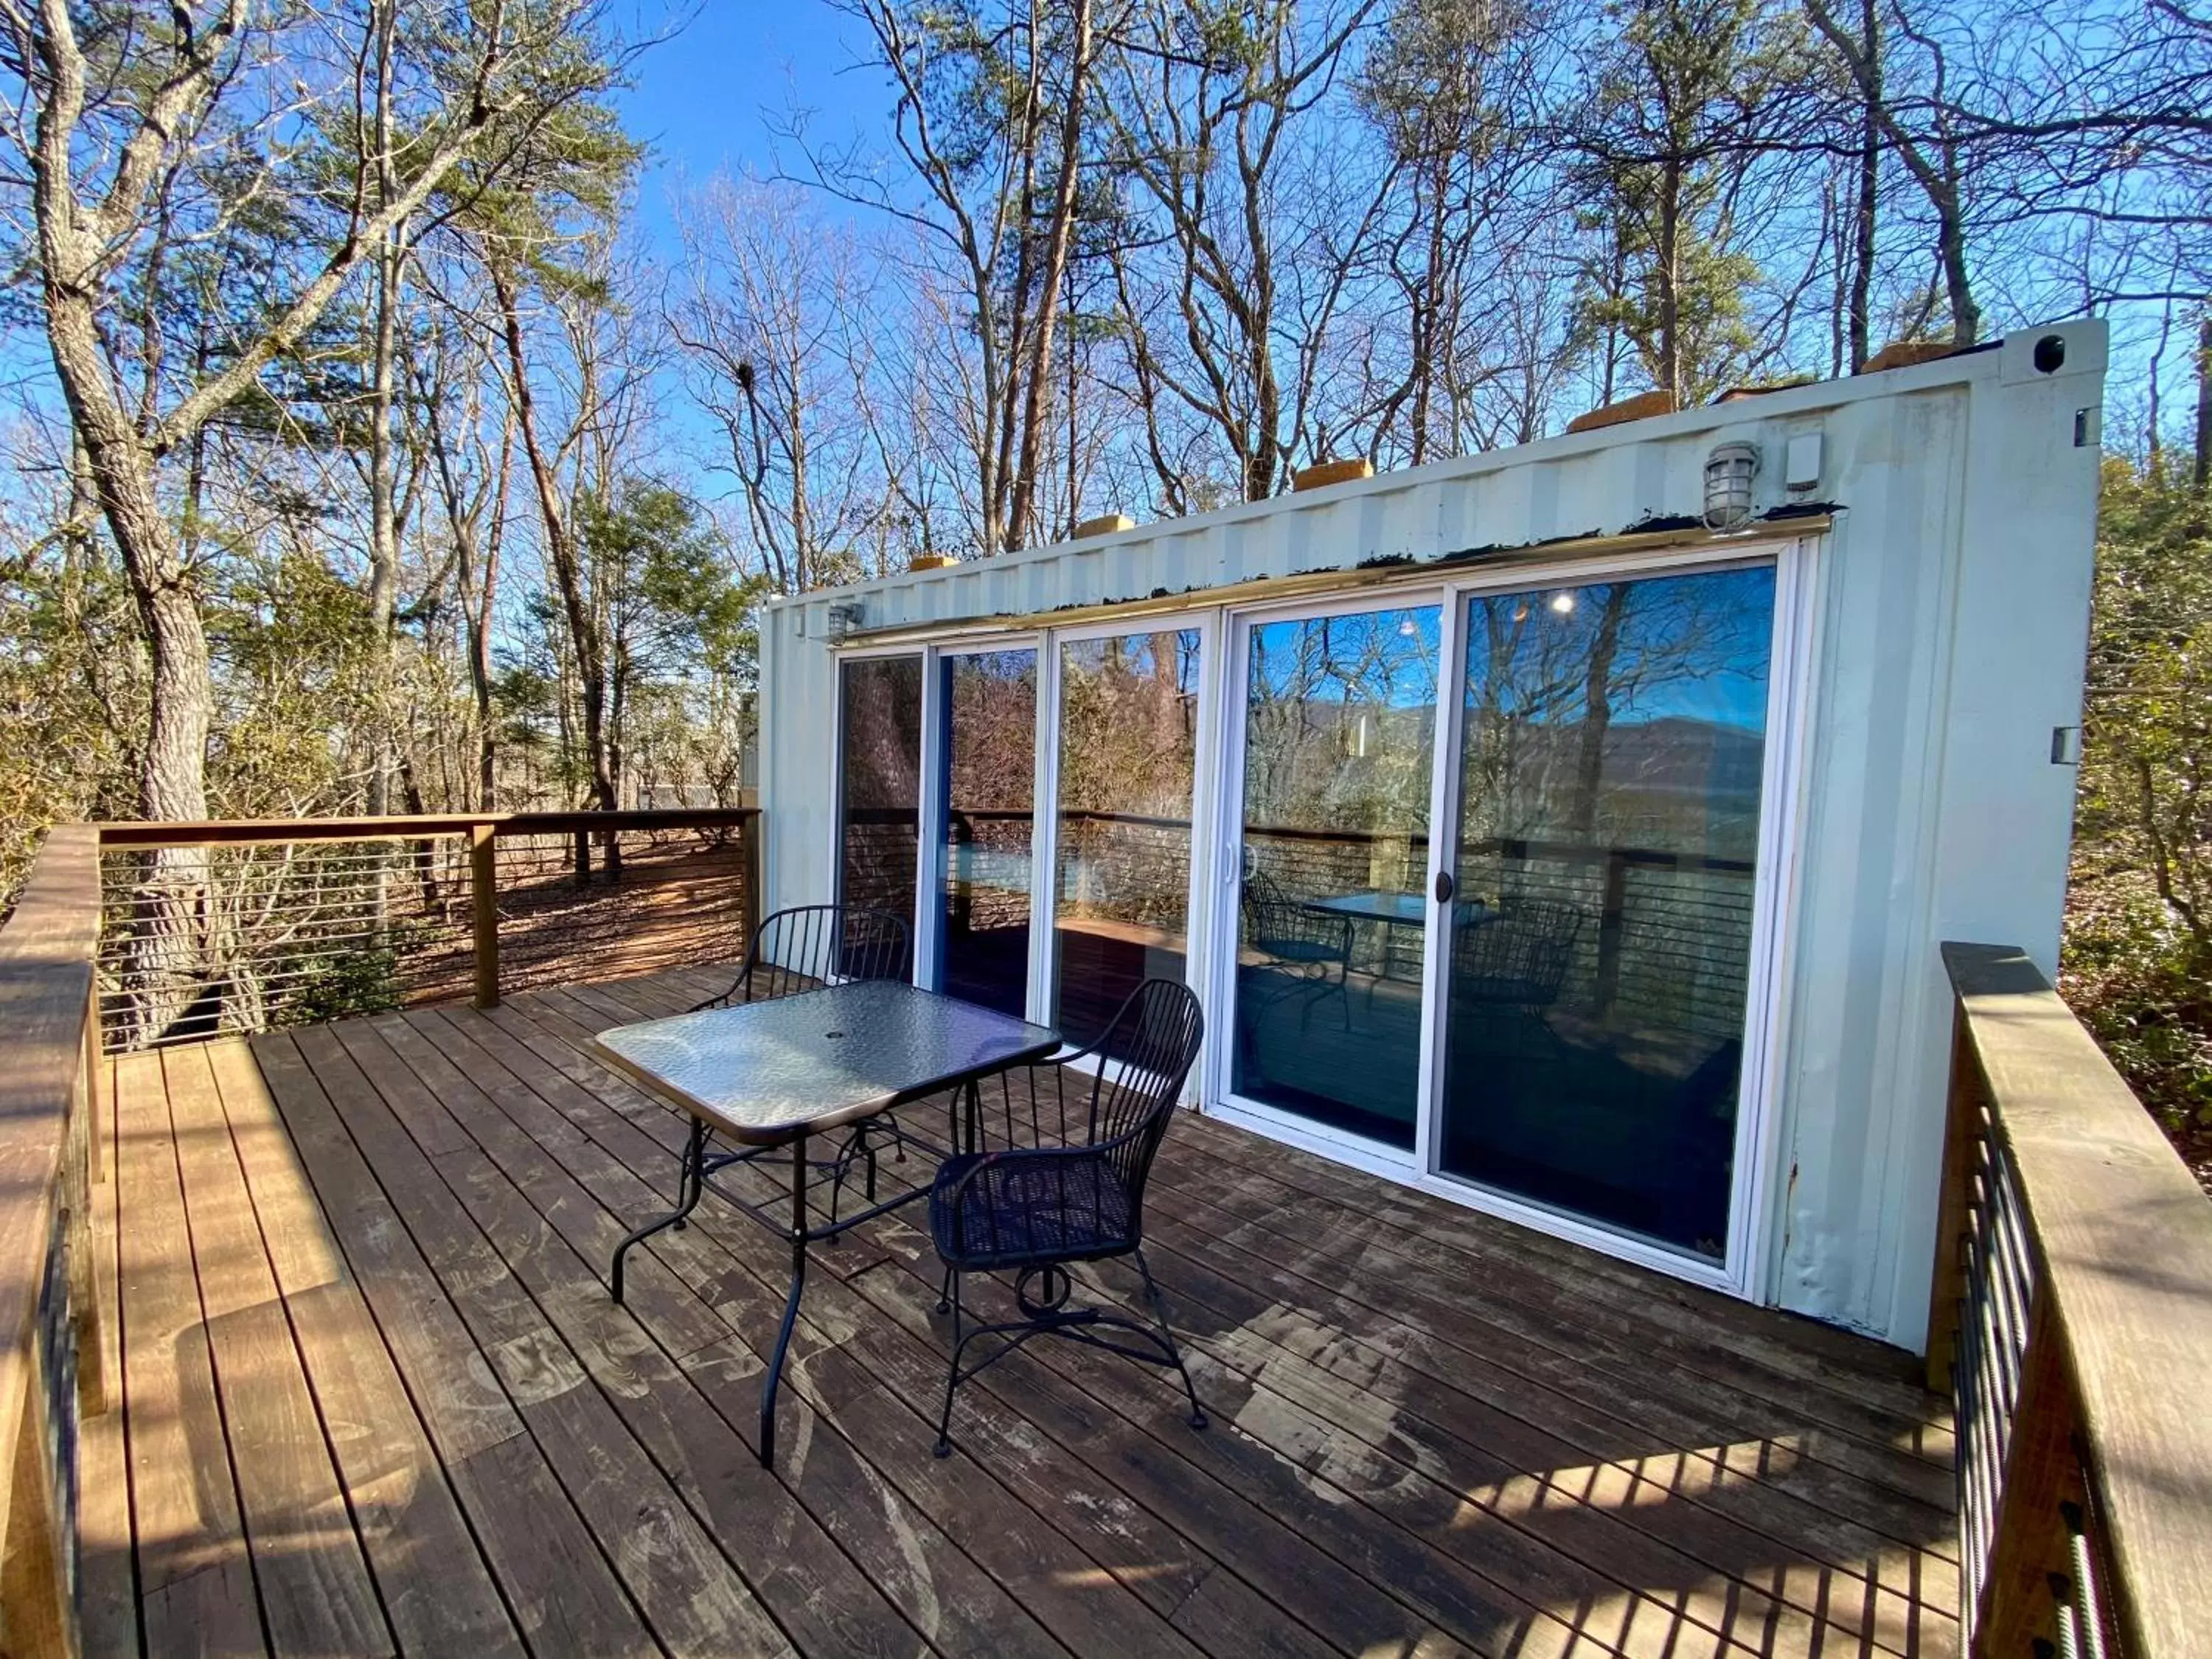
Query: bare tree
[[988, 120], [1682, 108], [1934, 155], [783, 354], [1207, 125]]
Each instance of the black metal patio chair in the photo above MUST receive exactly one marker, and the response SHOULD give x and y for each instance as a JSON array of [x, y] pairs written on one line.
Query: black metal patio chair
[[1067, 1185], [1509, 968], [1518, 956], [1302, 946], [794, 951], [809, 945]]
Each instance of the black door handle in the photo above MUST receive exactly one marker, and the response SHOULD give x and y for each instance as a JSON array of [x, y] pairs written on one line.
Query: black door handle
[[1444, 888]]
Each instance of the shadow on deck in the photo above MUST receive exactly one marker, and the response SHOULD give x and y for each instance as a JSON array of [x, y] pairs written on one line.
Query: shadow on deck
[[377, 1400]]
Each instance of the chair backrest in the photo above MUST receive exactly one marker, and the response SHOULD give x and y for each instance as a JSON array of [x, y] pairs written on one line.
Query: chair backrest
[[1520, 954], [1279, 924], [1148, 1049], [809, 945]]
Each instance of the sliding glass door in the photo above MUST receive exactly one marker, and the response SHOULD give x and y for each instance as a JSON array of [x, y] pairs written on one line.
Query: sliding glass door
[[1485, 868], [1338, 716], [879, 721], [1127, 739], [1610, 776], [986, 703]]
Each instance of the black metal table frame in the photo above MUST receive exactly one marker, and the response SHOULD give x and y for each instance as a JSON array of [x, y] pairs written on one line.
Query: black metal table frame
[[700, 1166]]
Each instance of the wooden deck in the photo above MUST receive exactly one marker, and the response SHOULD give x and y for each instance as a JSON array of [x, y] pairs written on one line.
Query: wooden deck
[[376, 1400]]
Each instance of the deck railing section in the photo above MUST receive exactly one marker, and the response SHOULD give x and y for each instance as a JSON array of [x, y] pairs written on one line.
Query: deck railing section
[[247, 925], [2071, 1323], [51, 1366]]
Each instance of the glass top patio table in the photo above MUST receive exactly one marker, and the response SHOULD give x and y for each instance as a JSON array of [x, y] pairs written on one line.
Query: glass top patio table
[[766, 1075], [765, 1072]]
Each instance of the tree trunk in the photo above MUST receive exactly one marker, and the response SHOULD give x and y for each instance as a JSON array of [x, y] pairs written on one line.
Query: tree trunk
[[1023, 504], [383, 528], [1598, 709], [480, 639], [1965, 315], [1671, 304], [1870, 182], [2200, 473], [559, 546]]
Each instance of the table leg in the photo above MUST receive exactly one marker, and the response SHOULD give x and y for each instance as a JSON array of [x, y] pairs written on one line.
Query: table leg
[[775, 1376], [690, 1184]]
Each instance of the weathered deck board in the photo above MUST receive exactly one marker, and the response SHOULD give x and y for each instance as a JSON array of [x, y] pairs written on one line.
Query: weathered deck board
[[442, 1598], [196, 1584], [372, 1378]]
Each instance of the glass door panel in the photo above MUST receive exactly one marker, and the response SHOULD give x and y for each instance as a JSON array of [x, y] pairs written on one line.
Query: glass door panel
[[1127, 726], [1340, 723], [987, 701], [880, 784], [1611, 757]]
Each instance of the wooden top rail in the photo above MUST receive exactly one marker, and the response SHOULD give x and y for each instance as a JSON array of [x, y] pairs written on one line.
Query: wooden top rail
[[46, 954], [218, 832], [2121, 1237]]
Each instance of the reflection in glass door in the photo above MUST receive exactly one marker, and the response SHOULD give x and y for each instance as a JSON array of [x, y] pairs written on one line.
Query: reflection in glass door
[[1339, 726], [987, 702], [1610, 774], [1127, 745], [880, 782]]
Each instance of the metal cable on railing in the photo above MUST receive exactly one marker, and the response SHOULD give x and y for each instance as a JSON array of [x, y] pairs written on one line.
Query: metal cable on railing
[[286, 923], [245, 937]]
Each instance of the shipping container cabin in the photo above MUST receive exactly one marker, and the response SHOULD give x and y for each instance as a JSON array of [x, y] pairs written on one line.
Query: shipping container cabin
[[1569, 830]]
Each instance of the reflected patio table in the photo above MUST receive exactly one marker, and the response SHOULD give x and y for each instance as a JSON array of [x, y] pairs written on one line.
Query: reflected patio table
[[1395, 910]]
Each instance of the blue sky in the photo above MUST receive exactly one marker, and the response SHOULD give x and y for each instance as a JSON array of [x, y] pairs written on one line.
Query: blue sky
[[714, 96]]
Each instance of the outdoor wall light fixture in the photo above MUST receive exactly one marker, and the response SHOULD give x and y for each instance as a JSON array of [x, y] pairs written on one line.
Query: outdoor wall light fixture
[[1729, 472], [843, 620]]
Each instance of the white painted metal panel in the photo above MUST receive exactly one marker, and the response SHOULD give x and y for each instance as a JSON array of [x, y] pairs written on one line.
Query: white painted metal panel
[[1949, 612]]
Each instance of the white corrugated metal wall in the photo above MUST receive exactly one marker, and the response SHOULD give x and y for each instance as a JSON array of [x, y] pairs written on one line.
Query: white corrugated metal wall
[[1951, 603]]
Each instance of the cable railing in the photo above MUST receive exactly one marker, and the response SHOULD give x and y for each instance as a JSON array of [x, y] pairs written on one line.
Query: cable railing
[[242, 927], [1668, 942], [2070, 1322]]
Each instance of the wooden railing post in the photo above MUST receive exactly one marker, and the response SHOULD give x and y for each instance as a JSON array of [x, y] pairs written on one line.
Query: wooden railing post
[[483, 903], [748, 832]]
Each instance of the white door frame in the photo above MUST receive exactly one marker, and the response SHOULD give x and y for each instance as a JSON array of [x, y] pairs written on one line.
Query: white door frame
[[936, 727], [1212, 928], [1045, 890], [1228, 841], [869, 653]]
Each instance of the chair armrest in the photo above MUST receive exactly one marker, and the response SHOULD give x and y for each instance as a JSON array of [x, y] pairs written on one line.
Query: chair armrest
[[743, 982]]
